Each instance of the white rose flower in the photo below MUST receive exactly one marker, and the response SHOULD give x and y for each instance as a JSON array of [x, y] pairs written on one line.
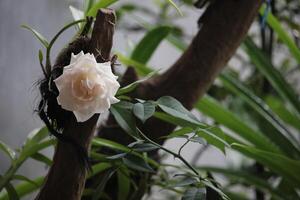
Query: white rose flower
[[86, 87]]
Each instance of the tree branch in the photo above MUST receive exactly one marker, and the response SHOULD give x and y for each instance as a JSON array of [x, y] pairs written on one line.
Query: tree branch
[[66, 178]]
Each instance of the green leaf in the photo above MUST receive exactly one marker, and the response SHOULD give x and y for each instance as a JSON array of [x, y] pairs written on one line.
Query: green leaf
[[23, 178], [144, 147], [36, 136], [37, 35], [220, 114], [132, 86], [6, 149], [32, 149], [282, 33], [148, 44], [137, 163], [279, 131], [12, 193], [125, 119], [214, 136], [100, 4], [180, 132], [175, 6], [194, 194], [42, 158], [97, 168], [99, 189], [110, 144], [284, 166], [281, 110], [246, 178], [123, 183], [141, 68], [174, 108], [143, 111], [184, 182], [265, 66]]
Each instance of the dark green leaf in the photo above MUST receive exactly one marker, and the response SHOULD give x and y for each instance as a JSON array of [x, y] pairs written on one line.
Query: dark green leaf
[[125, 119], [194, 194], [25, 179], [12, 193], [42, 158], [143, 111], [36, 136], [141, 68], [117, 156], [145, 147], [137, 163], [110, 144], [123, 183], [185, 182], [180, 132], [148, 44], [99, 189], [37, 35]]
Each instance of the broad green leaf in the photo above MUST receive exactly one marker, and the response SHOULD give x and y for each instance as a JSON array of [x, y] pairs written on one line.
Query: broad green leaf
[[123, 183], [125, 119], [220, 114], [141, 68], [137, 163], [246, 178], [180, 132], [278, 133], [144, 147], [265, 66], [42, 158], [184, 182], [100, 4], [37, 35], [284, 166], [149, 43], [194, 194], [32, 149], [281, 110], [99, 189], [174, 108], [143, 111], [214, 136], [282, 33], [6, 149]]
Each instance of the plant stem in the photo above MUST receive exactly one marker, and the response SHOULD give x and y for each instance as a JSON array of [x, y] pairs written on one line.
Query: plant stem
[[170, 152]]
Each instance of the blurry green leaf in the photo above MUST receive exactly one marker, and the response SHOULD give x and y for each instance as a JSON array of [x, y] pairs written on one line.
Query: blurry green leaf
[[184, 182], [99, 189], [175, 6], [144, 147], [282, 33], [100, 4], [42, 158], [110, 144], [220, 114], [12, 193], [125, 119], [265, 66], [288, 168], [23, 178], [36, 136], [137, 163], [141, 68], [194, 194], [174, 108], [214, 136], [279, 132], [32, 149], [180, 132], [116, 156], [37, 35], [143, 111], [148, 44], [246, 178], [280, 109], [6, 149], [123, 183], [131, 87]]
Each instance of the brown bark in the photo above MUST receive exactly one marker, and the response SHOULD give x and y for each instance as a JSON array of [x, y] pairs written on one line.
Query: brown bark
[[66, 178]]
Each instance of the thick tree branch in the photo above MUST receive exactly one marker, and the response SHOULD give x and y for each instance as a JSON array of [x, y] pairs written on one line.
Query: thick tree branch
[[66, 178]]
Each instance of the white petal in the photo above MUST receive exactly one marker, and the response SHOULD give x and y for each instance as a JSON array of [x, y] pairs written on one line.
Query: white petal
[[83, 116], [74, 58]]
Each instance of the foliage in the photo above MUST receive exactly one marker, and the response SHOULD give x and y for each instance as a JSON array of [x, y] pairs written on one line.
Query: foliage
[[260, 124]]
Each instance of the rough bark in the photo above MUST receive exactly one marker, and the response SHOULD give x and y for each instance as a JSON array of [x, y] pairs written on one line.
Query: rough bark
[[66, 178]]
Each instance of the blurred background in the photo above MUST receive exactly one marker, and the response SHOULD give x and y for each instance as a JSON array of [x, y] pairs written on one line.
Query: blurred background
[[20, 70]]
